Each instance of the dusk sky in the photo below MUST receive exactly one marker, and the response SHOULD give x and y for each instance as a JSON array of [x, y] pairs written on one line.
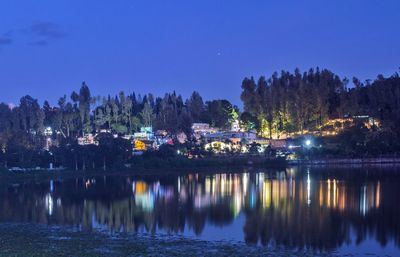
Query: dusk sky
[[48, 47]]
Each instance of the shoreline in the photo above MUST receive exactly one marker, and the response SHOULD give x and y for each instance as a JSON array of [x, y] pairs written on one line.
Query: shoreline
[[207, 165], [345, 161]]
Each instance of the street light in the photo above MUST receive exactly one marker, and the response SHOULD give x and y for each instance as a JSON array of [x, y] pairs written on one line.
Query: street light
[[308, 142]]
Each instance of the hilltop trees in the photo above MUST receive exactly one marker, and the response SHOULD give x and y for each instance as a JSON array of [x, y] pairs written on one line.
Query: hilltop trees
[[52, 116], [84, 107], [6, 119], [195, 106], [221, 113], [284, 103], [22, 128], [300, 102], [29, 115], [147, 115], [20, 131], [83, 113], [288, 102]]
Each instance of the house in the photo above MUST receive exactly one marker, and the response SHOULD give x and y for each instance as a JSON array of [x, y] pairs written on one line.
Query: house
[[235, 126], [234, 137], [202, 128], [87, 139], [145, 133]]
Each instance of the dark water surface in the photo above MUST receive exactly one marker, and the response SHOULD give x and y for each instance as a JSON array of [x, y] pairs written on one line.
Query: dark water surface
[[327, 210]]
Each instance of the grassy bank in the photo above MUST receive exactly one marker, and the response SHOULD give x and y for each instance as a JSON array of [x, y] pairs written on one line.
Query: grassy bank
[[41, 240]]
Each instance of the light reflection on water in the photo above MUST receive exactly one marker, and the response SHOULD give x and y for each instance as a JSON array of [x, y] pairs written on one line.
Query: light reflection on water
[[313, 208]]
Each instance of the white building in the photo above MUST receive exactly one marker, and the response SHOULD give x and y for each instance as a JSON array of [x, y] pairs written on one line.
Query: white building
[[233, 136], [202, 128]]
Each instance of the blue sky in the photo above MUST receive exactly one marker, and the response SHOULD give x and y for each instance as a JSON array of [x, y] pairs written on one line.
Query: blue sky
[[48, 47]]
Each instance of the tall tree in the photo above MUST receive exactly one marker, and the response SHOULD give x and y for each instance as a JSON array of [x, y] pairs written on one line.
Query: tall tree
[[195, 105], [147, 115], [84, 107]]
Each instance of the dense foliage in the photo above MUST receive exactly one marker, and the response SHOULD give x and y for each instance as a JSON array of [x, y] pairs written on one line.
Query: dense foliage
[[23, 127], [282, 104], [292, 102]]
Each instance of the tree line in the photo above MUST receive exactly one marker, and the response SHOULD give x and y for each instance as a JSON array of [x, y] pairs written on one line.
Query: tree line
[[283, 103], [292, 102], [23, 127], [123, 114]]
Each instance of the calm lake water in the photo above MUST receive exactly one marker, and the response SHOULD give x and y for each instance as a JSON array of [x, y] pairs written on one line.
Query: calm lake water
[[345, 210]]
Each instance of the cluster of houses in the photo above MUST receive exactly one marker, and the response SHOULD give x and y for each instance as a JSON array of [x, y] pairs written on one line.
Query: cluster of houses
[[143, 140], [213, 139], [234, 140]]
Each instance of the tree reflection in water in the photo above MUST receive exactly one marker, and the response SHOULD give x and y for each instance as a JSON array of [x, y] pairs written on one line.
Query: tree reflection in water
[[317, 208]]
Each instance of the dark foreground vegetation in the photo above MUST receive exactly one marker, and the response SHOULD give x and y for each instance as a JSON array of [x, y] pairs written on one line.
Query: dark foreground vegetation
[[55, 241]]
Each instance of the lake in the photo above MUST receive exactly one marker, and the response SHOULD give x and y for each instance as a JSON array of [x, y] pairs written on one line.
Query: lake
[[338, 211]]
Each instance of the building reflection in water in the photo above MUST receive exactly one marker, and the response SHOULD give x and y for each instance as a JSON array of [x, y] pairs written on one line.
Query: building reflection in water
[[290, 207]]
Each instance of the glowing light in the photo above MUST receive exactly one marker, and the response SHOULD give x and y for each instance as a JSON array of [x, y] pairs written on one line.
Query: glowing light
[[141, 187], [145, 201], [308, 188], [363, 201], [48, 131], [378, 194], [49, 204], [334, 193], [266, 194], [51, 185], [308, 142]]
